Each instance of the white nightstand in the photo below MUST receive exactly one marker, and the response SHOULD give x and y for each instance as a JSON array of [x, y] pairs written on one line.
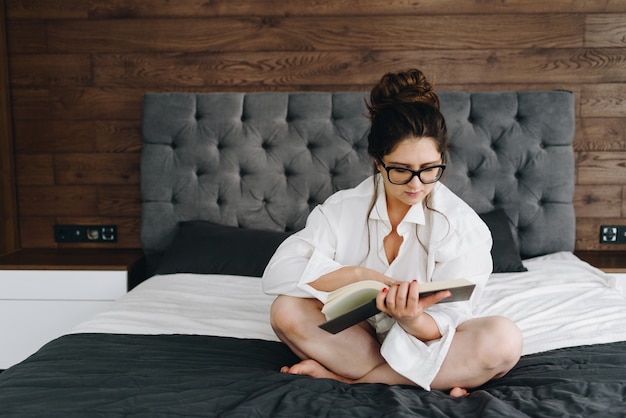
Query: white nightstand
[[45, 293]]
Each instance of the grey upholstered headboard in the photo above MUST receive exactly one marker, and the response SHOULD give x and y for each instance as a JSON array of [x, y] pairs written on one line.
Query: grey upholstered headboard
[[264, 160]]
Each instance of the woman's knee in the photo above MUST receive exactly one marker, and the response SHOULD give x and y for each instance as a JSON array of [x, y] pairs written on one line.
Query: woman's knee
[[288, 314], [504, 345], [279, 312]]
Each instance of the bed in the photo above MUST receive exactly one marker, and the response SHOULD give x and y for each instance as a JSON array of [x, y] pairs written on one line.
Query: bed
[[226, 177]]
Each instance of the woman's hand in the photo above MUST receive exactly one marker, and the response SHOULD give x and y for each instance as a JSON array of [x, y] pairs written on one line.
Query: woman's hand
[[403, 303]]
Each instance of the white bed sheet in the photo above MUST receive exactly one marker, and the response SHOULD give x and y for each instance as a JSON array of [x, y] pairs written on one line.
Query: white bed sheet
[[560, 302]]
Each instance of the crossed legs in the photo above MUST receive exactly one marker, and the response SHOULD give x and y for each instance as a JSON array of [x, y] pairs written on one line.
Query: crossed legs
[[482, 349]]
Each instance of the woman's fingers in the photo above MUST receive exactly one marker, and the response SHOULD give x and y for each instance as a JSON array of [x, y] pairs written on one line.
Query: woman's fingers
[[402, 300]]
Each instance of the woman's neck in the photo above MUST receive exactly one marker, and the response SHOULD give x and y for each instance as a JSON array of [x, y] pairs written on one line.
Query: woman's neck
[[396, 211]]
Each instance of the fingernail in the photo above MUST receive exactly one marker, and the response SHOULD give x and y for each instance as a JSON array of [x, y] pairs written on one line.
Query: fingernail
[[414, 281], [384, 290]]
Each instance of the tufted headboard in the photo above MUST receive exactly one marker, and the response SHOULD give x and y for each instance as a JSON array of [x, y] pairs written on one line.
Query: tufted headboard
[[264, 160]]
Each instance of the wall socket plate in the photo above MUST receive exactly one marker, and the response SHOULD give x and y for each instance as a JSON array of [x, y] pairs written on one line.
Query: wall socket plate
[[613, 234], [85, 233]]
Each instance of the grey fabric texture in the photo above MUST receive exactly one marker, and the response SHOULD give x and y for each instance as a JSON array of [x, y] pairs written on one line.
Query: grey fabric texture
[[264, 160]]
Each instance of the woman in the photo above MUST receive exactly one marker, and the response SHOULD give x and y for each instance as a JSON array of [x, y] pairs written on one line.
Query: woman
[[401, 227]]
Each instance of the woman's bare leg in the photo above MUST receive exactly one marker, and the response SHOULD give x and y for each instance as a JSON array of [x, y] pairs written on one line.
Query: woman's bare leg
[[482, 349], [350, 354]]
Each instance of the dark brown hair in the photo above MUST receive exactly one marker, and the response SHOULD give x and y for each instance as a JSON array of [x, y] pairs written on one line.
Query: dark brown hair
[[403, 105]]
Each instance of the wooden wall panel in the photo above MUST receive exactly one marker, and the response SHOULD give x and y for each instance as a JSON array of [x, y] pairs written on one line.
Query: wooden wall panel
[[50, 69], [35, 169], [79, 70], [118, 136], [97, 168], [54, 136], [48, 9], [605, 30], [555, 66], [593, 201], [256, 34], [604, 100], [27, 37], [9, 235], [600, 134], [203, 8], [59, 200], [602, 168], [82, 9]]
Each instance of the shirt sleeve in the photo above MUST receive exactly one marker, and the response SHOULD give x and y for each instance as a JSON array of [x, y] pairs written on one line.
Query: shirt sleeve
[[472, 262], [303, 258]]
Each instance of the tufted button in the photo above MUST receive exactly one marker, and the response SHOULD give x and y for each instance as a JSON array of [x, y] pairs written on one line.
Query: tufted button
[[219, 201], [173, 145], [197, 116], [266, 145], [173, 201]]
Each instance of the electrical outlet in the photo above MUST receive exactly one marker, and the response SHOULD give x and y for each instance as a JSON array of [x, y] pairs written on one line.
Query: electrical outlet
[[85, 233], [613, 234]]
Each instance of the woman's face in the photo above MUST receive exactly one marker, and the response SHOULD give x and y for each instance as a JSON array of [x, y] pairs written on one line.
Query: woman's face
[[416, 154]]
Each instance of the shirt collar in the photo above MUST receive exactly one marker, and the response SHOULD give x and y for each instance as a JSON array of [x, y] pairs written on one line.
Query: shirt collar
[[415, 215]]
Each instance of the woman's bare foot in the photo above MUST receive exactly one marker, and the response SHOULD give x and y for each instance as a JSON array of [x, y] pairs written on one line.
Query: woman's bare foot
[[458, 392], [312, 368]]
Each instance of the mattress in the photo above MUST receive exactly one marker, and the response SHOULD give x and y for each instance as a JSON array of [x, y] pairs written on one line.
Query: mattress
[[561, 301]]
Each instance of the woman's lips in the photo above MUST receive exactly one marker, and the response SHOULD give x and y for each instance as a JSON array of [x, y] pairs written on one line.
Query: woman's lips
[[413, 194]]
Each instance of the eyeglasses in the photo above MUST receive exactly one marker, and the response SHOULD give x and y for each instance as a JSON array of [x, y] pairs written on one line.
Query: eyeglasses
[[401, 175]]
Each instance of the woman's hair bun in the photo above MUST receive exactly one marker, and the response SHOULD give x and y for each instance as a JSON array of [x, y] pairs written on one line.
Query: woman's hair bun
[[409, 86]]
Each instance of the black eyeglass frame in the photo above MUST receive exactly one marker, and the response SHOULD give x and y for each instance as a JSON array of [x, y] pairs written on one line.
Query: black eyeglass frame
[[414, 173]]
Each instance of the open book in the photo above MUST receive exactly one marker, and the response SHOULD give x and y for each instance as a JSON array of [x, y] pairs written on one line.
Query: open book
[[356, 302]]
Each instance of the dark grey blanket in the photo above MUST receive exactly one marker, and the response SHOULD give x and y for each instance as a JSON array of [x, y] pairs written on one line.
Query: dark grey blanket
[[184, 375]]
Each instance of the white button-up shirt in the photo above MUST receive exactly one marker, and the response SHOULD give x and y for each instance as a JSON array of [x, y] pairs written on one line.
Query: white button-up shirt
[[443, 238]]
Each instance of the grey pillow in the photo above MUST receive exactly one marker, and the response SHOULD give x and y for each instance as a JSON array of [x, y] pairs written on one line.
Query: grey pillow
[[208, 248], [506, 257]]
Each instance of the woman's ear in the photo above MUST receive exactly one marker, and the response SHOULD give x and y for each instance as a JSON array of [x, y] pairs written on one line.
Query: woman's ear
[[377, 166]]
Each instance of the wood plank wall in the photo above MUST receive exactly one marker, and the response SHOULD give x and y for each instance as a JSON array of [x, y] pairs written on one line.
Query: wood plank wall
[[8, 207], [79, 69]]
